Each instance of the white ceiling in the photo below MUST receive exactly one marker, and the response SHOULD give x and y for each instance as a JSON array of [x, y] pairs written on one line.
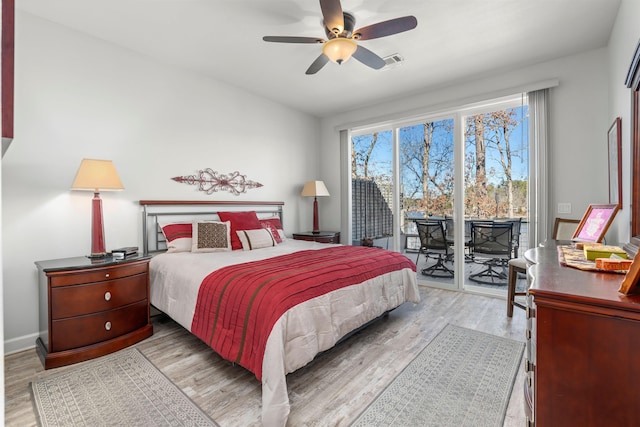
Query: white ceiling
[[456, 40]]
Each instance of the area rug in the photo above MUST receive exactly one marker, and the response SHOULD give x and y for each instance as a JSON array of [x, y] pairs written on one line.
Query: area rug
[[122, 389], [461, 378]]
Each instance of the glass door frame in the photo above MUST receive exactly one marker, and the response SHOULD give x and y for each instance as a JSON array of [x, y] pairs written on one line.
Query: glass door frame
[[459, 150]]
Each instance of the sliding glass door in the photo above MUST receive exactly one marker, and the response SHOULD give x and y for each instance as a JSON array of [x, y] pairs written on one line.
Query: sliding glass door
[[496, 192], [418, 186], [372, 189], [426, 152]]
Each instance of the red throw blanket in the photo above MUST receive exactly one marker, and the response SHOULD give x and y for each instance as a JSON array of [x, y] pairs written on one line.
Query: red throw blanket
[[238, 305]]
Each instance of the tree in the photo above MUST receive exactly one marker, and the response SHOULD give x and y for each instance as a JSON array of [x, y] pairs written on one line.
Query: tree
[[488, 136], [501, 124], [427, 166]]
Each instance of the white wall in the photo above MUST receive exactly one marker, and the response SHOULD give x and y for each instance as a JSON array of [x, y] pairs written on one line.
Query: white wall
[[76, 97], [622, 44], [80, 97], [579, 124]]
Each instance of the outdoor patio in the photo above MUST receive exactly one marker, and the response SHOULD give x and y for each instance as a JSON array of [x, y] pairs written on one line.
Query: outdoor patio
[[472, 266]]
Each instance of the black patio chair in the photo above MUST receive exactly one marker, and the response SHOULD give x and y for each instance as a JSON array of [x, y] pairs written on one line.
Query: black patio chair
[[516, 224], [433, 244], [491, 245]]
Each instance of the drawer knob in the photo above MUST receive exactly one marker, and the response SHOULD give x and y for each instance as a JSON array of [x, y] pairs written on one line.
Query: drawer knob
[[107, 296], [106, 275], [107, 326]]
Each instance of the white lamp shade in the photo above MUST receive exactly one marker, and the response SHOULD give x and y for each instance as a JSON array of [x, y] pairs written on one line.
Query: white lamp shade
[[314, 189], [95, 175]]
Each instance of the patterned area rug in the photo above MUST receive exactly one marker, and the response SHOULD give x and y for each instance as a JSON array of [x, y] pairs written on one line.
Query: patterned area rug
[[122, 389], [461, 378]]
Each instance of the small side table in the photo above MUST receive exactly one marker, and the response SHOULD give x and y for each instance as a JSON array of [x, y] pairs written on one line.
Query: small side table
[[321, 237], [89, 308]]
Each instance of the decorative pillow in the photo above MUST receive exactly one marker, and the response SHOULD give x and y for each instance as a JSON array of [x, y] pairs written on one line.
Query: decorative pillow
[[275, 226], [178, 236], [211, 236], [256, 239], [240, 221]]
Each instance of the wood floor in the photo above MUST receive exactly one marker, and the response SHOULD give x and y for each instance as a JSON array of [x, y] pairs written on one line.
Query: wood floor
[[330, 391]]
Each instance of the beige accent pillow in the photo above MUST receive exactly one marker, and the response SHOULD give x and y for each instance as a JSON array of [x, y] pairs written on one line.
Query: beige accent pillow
[[211, 236], [256, 239]]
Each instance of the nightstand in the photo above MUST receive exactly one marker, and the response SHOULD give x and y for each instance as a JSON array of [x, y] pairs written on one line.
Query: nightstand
[[321, 237], [91, 307]]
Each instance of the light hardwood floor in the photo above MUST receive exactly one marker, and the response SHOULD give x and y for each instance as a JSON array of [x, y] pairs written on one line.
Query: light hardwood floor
[[330, 391]]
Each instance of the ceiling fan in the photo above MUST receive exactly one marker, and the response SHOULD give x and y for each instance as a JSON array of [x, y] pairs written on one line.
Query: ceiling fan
[[341, 38]]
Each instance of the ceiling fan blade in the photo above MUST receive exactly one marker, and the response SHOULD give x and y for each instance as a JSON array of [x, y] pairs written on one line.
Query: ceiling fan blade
[[332, 14], [386, 28], [368, 58], [287, 39], [320, 62]]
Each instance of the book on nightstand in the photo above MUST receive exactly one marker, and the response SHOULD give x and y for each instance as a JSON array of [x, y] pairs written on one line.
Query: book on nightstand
[[122, 253]]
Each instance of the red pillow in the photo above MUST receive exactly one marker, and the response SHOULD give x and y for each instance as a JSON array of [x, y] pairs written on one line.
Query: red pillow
[[240, 221], [273, 224]]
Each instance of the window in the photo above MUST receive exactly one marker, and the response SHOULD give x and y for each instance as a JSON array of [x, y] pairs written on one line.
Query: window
[[479, 152]]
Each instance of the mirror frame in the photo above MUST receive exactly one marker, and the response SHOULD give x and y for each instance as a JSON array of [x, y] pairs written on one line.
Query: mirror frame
[[633, 82], [635, 171]]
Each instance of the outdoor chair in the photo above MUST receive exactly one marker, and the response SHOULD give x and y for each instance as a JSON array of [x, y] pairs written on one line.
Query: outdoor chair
[[433, 244], [491, 246], [516, 224], [449, 230]]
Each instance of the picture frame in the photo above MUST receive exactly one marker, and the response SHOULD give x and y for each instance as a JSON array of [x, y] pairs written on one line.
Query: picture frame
[[632, 278], [614, 144], [595, 222]]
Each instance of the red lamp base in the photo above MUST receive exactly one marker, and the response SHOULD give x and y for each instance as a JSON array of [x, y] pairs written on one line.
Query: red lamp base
[[316, 227], [97, 228]]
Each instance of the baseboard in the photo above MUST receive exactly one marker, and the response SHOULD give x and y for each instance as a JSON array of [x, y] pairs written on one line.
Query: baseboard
[[15, 345]]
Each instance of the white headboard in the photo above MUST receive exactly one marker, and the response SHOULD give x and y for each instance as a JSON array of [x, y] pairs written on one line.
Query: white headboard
[[156, 211]]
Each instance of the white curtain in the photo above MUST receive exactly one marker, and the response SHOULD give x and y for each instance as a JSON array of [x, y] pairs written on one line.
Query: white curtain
[[345, 188], [538, 166]]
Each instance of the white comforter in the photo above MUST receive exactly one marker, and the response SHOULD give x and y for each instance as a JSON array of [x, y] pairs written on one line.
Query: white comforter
[[302, 332]]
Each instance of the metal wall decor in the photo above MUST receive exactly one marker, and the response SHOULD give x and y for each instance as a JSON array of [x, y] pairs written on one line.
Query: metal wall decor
[[211, 181]]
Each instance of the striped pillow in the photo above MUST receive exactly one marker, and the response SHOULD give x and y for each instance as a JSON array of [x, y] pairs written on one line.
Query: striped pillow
[[177, 236], [256, 239]]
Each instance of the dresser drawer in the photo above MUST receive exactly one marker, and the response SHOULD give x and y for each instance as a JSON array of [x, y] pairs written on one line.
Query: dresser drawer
[[81, 331], [76, 277], [76, 300]]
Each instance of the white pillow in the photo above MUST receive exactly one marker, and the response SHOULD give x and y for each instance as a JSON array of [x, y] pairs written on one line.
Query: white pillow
[[256, 239], [211, 236]]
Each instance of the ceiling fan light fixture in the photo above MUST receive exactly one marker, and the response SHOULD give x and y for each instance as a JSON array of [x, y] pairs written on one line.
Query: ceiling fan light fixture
[[339, 49]]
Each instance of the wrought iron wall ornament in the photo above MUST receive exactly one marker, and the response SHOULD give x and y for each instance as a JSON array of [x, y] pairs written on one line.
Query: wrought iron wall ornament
[[211, 181]]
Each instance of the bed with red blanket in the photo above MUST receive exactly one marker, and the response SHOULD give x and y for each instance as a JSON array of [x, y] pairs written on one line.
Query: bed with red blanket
[[272, 310]]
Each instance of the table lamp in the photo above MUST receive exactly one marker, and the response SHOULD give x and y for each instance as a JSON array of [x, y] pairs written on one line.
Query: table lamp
[[95, 175], [315, 189]]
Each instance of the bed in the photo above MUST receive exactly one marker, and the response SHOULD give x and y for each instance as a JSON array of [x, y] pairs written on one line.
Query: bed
[[273, 303]]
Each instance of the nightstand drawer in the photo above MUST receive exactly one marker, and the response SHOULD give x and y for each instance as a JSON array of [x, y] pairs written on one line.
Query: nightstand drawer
[[96, 274], [68, 301], [81, 331]]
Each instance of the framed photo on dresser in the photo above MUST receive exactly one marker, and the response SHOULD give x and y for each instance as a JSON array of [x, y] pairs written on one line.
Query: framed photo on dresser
[[595, 223]]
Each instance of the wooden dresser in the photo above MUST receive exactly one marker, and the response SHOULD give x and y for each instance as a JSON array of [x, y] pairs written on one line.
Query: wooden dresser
[[583, 346], [89, 308]]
